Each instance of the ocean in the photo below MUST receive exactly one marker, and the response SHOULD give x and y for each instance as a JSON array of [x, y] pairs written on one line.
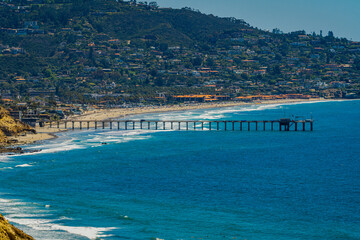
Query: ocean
[[110, 184]]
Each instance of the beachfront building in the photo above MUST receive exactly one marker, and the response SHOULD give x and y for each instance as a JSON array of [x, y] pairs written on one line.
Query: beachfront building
[[200, 98]]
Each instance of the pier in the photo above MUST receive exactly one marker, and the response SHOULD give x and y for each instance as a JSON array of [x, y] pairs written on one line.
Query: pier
[[284, 124]]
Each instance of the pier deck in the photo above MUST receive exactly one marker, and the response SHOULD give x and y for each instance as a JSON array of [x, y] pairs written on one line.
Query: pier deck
[[188, 125]]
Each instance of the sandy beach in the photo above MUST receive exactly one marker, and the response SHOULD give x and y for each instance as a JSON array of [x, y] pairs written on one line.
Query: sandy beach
[[47, 133]]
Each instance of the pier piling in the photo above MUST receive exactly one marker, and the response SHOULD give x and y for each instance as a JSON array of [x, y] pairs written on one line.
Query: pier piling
[[190, 125]]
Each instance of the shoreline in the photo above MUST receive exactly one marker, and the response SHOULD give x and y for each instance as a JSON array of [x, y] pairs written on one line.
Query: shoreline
[[46, 133]]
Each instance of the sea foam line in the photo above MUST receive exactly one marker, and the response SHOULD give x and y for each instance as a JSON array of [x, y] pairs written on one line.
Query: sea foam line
[[49, 225], [21, 213]]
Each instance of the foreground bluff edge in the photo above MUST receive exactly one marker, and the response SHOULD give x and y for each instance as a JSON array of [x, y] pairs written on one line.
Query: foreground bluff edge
[[9, 232], [10, 127]]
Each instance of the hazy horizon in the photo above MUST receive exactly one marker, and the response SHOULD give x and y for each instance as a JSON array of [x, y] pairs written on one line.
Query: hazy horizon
[[287, 15]]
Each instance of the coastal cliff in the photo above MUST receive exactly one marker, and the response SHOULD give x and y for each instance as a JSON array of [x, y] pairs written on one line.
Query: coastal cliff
[[9, 232], [10, 126]]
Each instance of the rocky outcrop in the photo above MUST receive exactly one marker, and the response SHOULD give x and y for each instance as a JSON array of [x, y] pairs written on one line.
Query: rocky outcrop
[[10, 126], [9, 232]]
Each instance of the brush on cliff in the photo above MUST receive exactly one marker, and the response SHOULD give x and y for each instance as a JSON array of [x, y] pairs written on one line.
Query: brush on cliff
[[9, 232], [10, 127]]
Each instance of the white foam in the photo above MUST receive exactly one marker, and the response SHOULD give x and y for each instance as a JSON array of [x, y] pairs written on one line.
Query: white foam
[[21, 213], [117, 137], [65, 218], [12, 202], [24, 165], [49, 225], [65, 146], [6, 168], [4, 200], [26, 215], [34, 223], [4, 158], [89, 232], [211, 114]]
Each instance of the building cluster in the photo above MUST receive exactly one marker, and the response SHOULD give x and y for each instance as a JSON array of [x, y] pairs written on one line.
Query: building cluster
[[244, 64]]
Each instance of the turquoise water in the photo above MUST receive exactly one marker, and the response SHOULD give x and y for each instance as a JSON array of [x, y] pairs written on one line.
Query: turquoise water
[[194, 185]]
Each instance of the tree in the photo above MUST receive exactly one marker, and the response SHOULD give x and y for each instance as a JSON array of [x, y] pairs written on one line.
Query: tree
[[330, 34], [276, 31], [210, 62], [276, 70], [154, 5], [278, 57], [197, 62], [357, 63], [163, 47], [48, 73], [159, 82]]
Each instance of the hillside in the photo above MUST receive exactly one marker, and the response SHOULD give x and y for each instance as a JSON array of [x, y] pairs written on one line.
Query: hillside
[[107, 51], [9, 232]]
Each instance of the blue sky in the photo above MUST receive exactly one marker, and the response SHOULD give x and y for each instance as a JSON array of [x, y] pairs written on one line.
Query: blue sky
[[340, 16]]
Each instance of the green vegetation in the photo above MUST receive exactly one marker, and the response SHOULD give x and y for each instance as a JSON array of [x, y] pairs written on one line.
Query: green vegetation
[[91, 51]]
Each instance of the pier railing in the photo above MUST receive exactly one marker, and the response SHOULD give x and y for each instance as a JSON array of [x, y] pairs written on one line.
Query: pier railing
[[187, 125]]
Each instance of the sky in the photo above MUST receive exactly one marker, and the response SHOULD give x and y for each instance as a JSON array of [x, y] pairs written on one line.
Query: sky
[[340, 16]]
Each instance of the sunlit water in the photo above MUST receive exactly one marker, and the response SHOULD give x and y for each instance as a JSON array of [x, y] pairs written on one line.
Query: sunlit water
[[197, 184]]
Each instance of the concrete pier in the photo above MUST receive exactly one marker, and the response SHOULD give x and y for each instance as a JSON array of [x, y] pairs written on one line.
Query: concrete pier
[[284, 124]]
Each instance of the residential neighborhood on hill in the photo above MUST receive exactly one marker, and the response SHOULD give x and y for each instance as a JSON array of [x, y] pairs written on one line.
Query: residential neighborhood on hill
[[119, 53]]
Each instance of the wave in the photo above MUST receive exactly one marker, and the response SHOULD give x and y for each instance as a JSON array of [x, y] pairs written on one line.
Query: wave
[[81, 141], [6, 168], [4, 159], [41, 224], [43, 220], [66, 145], [89, 232], [209, 114], [24, 165], [98, 139]]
